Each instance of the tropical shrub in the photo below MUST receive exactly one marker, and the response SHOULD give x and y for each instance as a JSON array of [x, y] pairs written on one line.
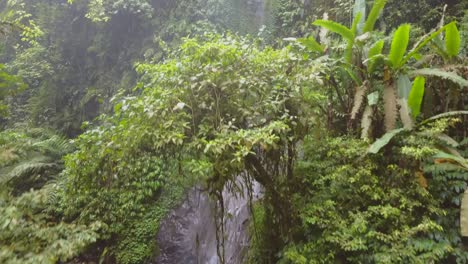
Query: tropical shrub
[[199, 115], [29, 234], [379, 208], [30, 230]]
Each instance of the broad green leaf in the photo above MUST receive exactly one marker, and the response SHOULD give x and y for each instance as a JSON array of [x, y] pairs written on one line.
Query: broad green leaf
[[353, 75], [355, 26], [335, 27], [404, 86], [441, 74], [423, 42], [359, 8], [452, 39], [438, 45], [399, 45], [349, 52], [374, 15], [416, 96], [311, 44], [375, 50], [383, 141]]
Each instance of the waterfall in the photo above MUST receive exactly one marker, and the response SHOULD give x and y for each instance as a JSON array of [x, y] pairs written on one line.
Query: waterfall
[[188, 234]]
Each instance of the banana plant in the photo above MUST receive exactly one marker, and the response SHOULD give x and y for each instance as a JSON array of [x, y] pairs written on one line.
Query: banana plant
[[447, 153], [351, 35], [411, 95], [394, 71]]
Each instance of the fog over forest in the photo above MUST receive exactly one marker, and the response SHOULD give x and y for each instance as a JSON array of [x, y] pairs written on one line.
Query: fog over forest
[[233, 131]]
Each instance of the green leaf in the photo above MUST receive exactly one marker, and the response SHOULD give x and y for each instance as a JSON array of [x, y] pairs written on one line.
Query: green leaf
[[448, 140], [452, 39], [311, 44], [460, 160], [374, 15], [335, 27], [404, 86], [383, 141], [375, 50], [423, 42], [416, 96], [359, 10], [373, 98], [399, 45], [355, 26], [349, 52], [441, 74], [353, 75], [443, 115]]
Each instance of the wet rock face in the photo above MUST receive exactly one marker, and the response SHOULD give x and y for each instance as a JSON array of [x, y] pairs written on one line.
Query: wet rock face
[[188, 234]]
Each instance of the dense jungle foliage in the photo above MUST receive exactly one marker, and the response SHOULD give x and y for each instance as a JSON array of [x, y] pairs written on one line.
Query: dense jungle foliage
[[352, 115]]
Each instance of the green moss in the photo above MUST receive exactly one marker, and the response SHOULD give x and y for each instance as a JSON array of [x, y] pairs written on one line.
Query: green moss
[[258, 230], [138, 241]]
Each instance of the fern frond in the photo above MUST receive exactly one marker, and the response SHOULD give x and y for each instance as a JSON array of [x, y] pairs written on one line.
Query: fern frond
[[358, 99], [55, 146], [335, 27], [8, 155], [441, 74], [390, 107], [27, 170], [399, 45], [374, 15]]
